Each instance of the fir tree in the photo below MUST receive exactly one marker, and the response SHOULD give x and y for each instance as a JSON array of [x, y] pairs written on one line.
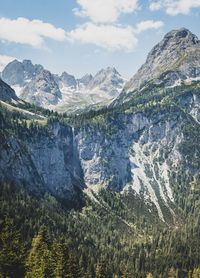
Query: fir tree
[[39, 262], [11, 251]]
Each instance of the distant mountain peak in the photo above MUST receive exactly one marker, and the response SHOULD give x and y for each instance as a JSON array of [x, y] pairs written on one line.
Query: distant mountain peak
[[68, 79], [110, 70], [39, 86], [85, 80], [18, 73]]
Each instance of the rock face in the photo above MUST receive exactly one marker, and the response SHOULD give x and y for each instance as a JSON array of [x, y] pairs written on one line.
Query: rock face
[[86, 79], [178, 52], [7, 94], [68, 80], [107, 81], [42, 90], [19, 73], [40, 87], [45, 161]]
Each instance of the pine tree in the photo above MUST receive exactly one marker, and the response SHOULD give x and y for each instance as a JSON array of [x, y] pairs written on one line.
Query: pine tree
[[196, 273], [173, 273], [11, 251], [74, 269], [149, 275], [60, 259], [101, 271], [39, 262]]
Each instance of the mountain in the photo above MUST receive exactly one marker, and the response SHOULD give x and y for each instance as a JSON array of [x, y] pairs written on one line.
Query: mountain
[[178, 54], [131, 170], [108, 81], [19, 73], [7, 94], [68, 80], [40, 87], [85, 80], [42, 90]]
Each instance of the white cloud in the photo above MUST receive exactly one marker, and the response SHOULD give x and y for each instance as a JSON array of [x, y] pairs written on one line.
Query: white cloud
[[4, 60], [31, 32], [112, 37], [105, 11], [148, 24], [175, 7], [107, 36]]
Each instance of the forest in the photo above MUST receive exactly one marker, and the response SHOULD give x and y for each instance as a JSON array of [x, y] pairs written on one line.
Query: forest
[[39, 237]]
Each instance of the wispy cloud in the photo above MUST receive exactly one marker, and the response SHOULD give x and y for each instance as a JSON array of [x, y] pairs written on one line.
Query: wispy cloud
[[31, 32], [175, 7], [105, 11], [148, 24]]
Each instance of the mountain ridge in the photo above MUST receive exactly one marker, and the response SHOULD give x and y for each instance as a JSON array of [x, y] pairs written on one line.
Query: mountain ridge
[[177, 49], [61, 92]]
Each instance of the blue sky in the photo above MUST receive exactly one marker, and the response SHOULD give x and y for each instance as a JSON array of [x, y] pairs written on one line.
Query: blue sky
[[84, 36]]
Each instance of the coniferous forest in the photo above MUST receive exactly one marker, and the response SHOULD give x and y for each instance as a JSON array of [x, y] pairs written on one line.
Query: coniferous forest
[[39, 237]]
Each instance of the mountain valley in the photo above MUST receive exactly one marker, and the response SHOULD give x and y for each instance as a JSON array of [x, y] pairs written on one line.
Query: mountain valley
[[114, 186]]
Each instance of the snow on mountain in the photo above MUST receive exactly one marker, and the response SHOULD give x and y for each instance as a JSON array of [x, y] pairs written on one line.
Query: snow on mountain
[[36, 85]]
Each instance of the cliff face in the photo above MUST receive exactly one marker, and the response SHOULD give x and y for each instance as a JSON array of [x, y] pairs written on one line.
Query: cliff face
[[45, 161], [145, 151]]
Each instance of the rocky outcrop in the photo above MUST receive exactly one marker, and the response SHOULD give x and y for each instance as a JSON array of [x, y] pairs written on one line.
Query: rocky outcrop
[[178, 51], [19, 73], [7, 94], [42, 90]]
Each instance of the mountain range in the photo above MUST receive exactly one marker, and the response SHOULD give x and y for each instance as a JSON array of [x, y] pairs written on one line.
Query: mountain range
[[40, 87], [134, 161]]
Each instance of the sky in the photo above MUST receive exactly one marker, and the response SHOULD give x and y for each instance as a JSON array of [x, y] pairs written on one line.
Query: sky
[[83, 36]]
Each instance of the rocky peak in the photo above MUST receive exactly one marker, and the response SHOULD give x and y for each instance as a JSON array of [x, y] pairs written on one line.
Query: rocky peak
[[18, 73], [86, 79], [108, 74], [13, 73], [107, 80], [178, 51], [42, 90], [68, 80]]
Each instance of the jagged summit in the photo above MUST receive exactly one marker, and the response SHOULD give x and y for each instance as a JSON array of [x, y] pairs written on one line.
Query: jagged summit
[[108, 80], [178, 51], [68, 79], [42, 90], [18, 73], [34, 84], [85, 80]]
